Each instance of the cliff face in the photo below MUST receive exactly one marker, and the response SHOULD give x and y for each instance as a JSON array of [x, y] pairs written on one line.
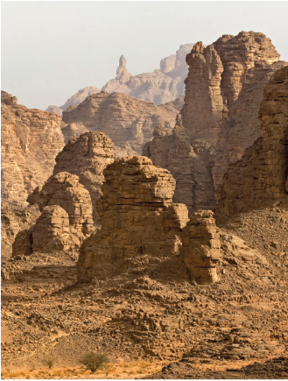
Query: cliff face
[[30, 141], [161, 86], [224, 88], [261, 174], [129, 123]]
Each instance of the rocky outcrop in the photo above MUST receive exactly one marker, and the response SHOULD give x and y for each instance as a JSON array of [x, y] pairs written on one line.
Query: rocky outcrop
[[13, 220], [141, 224], [201, 247], [30, 141], [75, 100], [87, 157], [261, 175], [161, 86], [129, 123], [65, 220], [224, 88]]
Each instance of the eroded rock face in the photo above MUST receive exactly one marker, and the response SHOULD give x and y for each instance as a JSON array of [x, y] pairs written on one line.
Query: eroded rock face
[[140, 222], [128, 122], [74, 205], [161, 86], [31, 139], [13, 220], [87, 156], [261, 175], [224, 88], [201, 247]]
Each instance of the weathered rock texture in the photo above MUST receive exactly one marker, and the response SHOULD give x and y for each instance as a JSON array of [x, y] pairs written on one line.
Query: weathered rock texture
[[201, 247], [128, 122], [75, 100], [87, 157], [13, 220], [224, 88], [261, 175], [30, 141], [161, 86], [66, 218], [140, 222]]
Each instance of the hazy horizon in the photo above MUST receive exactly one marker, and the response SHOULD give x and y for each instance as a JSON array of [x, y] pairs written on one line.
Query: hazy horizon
[[50, 50]]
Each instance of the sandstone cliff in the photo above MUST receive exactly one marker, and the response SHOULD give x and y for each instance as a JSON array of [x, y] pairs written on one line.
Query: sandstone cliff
[[87, 157], [30, 141], [161, 86], [262, 173], [127, 121], [75, 100], [224, 88], [142, 227]]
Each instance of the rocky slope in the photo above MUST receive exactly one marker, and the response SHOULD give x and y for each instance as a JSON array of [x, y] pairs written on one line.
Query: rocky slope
[[128, 122], [30, 141], [161, 86], [75, 100], [224, 88], [262, 173]]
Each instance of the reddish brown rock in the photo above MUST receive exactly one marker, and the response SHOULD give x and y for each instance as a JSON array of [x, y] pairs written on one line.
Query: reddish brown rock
[[128, 122], [87, 156], [201, 247], [31, 139], [63, 226], [224, 88], [261, 175], [139, 220]]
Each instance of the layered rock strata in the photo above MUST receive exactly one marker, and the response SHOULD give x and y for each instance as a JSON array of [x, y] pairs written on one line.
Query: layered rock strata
[[224, 88], [261, 175], [161, 86], [87, 156], [30, 141], [201, 247], [141, 224], [129, 123], [65, 220]]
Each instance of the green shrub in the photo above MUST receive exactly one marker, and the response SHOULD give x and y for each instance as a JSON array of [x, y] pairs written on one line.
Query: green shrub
[[94, 361], [49, 361]]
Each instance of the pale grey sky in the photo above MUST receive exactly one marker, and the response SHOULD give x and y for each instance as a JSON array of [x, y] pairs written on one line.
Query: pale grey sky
[[52, 49]]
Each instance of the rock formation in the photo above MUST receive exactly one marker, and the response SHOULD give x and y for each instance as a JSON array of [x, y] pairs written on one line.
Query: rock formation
[[30, 141], [161, 86], [141, 223], [128, 122], [75, 100], [87, 157], [262, 173], [224, 88], [13, 220], [66, 218], [201, 247]]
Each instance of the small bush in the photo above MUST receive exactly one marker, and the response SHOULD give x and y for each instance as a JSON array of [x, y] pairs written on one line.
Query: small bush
[[49, 361], [94, 361]]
